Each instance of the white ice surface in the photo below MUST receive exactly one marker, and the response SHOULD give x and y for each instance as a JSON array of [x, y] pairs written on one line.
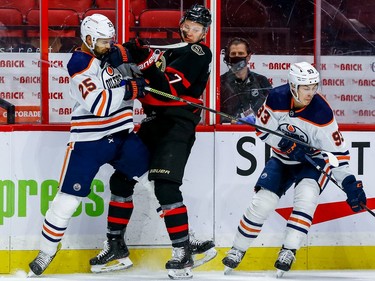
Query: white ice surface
[[138, 275]]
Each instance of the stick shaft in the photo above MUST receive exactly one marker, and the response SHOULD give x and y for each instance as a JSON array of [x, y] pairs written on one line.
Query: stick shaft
[[171, 46], [227, 116], [367, 209], [312, 162]]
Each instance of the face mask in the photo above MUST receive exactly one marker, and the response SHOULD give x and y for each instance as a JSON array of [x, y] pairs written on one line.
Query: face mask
[[237, 63]]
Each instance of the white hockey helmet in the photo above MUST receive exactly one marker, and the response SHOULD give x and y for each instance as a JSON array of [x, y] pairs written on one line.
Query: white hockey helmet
[[302, 73], [97, 26]]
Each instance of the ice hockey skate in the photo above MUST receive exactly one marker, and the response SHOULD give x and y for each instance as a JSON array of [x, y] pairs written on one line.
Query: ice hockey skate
[[40, 264], [181, 263], [201, 251], [113, 257], [284, 261], [232, 260]]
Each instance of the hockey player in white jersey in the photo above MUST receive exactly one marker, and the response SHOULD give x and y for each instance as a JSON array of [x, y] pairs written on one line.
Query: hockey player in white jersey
[[101, 133], [299, 111]]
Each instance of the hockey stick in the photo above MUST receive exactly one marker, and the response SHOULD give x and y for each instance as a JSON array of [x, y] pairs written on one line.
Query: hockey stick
[[171, 46], [331, 158], [312, 162]]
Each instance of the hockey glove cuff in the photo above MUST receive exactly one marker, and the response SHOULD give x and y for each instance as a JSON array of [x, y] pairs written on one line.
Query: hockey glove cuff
[[116, 56], [294, 150], [355, 193], [134, 88], [142, 55]]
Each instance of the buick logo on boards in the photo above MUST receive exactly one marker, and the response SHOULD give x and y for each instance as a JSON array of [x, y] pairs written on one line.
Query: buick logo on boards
[[373, 66]]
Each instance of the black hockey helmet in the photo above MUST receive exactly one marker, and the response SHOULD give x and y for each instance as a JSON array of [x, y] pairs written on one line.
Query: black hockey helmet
[[199, 14]]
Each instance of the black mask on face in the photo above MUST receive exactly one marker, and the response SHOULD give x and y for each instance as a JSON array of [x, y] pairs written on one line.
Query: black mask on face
[[237, 63]]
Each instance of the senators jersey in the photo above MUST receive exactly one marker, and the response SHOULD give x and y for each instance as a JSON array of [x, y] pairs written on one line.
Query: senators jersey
[[314, 124], [186, 71], [99, 109]]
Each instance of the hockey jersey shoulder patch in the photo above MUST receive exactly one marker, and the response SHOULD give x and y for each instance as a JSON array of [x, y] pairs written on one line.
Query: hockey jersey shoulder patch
[[279, 98], [79, 62], [197, 49], [319, 112]]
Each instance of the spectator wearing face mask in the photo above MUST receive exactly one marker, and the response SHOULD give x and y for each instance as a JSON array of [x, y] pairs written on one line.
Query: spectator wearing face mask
[[242, 92]]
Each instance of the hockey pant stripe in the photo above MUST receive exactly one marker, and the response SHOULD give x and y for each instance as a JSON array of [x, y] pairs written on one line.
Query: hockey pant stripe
[[246, 234], [56, 220], [125, 205], [52, 233], [261, 205], [300, 221], [306, 195], [54, 226], [118, 220], [301, 214], [297, 228], [251, 222], [173, 212], [119, 212], [249, 229], [176, 222], [177, 229], [50, 238]]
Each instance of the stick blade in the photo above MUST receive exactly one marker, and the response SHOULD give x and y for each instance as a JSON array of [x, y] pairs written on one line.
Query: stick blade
[[332, 159]]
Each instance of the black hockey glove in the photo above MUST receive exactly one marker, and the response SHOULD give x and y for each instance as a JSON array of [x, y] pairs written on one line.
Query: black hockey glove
[[134, 88], [116, 56], [294, 150], [142, 55], [355, 193]]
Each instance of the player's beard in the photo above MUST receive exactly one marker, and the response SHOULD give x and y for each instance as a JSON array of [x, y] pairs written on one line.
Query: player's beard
[[100, 55]]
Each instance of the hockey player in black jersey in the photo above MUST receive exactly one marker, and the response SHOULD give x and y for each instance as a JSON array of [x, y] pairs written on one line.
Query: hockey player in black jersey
[[169, 132]]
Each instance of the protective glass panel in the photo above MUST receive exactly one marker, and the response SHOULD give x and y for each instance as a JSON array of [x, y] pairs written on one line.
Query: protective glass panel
[[336, 35]]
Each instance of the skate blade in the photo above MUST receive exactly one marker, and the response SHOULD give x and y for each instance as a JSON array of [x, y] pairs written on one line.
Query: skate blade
[[31, 274], [279, 273], [116, 265], [208, 255], [180, 274], [227, 270]]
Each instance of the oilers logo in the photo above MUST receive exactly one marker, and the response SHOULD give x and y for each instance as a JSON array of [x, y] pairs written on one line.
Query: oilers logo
[[294, 132], [76, 187], [111, 77]]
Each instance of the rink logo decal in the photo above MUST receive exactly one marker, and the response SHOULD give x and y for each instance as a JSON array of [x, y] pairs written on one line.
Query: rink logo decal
[[15, 198], [328, 211], [24, 114]]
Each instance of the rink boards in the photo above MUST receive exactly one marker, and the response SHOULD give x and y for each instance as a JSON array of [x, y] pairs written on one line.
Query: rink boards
[[217, 188]]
